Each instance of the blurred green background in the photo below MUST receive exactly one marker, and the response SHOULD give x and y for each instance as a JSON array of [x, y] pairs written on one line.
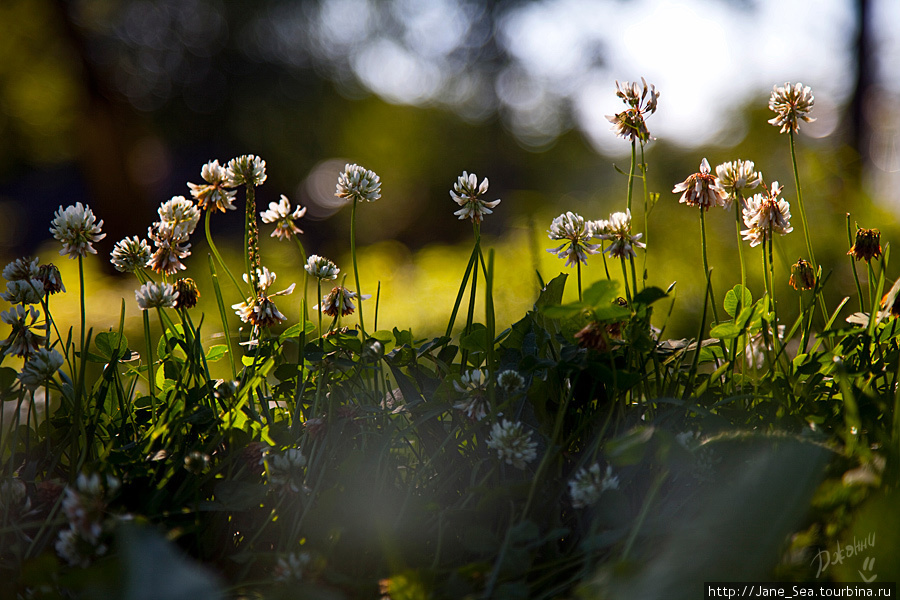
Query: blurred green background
[[118, 103]]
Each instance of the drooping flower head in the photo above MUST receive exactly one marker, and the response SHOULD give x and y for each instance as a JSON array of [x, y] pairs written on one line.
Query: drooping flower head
[[179, 214], [170, 249], [213, 194], [51, 278], [188, 293], [130, 254], [473, 385], [618, 230], [248, 169], [575, 233], [589, 484], [156, 295], [261, 310], [339, 301], [791, 103], [867, 246], [641, 100], [22, 341], [468, 194], [701, 189], [281, 214], [803, 276], [40, 366], [358, 184], [512, 443], [22, 269], [321, 268], [766, 214], [734, 177], [77, 228], [23, 291]]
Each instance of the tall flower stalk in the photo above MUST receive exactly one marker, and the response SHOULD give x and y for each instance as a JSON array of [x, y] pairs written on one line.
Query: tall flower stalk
[[733, 178], [575, 233]]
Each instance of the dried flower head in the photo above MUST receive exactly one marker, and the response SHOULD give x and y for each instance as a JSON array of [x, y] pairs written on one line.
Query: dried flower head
[[248, 169], [575, 233], [468, 194], [156, 295], [791, 103], [213, 194], [512, 443], [77, 228], [339, 301], [281, 214], [22, 269], [473, 385], [22, 341], [24, 291], [130, 254], [188, 293], [766, 213], [589, 484], [734, 177], [40, 366], [321, 268], [803, 277], [598, 336], [356, 183], [180, 215], [641, 100], [618, 230], [701, 189], [51, 278], [867, 246]]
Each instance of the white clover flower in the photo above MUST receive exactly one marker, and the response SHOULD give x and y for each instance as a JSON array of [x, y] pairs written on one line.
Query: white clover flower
[[281, 214], [791, 103], [766, 213], [468, 194], [575, 233], [77, 550], [641, 100], [261, 311], [24, 291], [339, 301], [756, 347], [291, 567], [321, 268], [179, 214], [734, 177], [701, 189], [510, 381], [171, 247], [22, 341], [40, 366], [156, 295], [130, 254], [512, 443], [13, 496], [22, 269], [248, 169], [286, 468], [474, 385], [589, 484], [618, 230], [214, 194], [357, 183], [77, 228], [85, 504]]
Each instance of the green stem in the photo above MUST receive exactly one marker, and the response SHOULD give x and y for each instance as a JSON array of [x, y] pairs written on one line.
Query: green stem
[[706, 269], [631, 174], [578, 268], [862, 307], [625, 277], [151, 378], [809, 248], [215, 251], [305, 279], [646, 231], [362, 326]]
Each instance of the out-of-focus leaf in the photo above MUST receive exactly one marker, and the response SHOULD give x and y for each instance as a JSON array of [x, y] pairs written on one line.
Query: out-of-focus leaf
[[214, 353]]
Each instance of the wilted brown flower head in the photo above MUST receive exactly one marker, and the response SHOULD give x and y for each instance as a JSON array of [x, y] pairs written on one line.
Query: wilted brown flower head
[[803, 277], [641, 101], [188, 294], [867, 246]]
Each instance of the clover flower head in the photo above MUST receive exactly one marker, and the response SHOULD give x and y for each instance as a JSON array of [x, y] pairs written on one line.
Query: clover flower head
[[291, 567], [51, 278], [195, 462], [281, 214], [261, 310], [575, 233], [339, 301], [734, 177], [867, 246], [803, 276], [214, 194], [24, 291], [22, 341], [512, 443], [156, 295], [473, 384], [641, 100], [171, 247], [510, 381], [40, 366], [77, 228], [180, 215], [618, 230], [766, 213], [22, 269], [76, 550], [589, 484], [84, 504], [248, 169], [468, 194], [599, 336], [756, 347], [791, 104], [130, 254], [701, 189], [321, 268], [286, 468], [356, 183], [188, 293], [13, 496]]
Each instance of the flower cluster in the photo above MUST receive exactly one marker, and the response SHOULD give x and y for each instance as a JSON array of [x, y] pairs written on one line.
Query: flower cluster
[[77, 228], [510, 381], [791, 103], [292, 567], [513, 444], [178, 219], [22, 340], [589, 484], [248, 169], [358, 184], [321, 268], [641, 100], [618, 231], [575, 233], [214, 193], [339, 301], [468, 194], [281, 214], [85, 508], [40, 367], [473, 386], [156, 295], [286, 468], [803, 276], [261, 310], [766, 214], [734, 177], [701, 189], [867, 245]]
